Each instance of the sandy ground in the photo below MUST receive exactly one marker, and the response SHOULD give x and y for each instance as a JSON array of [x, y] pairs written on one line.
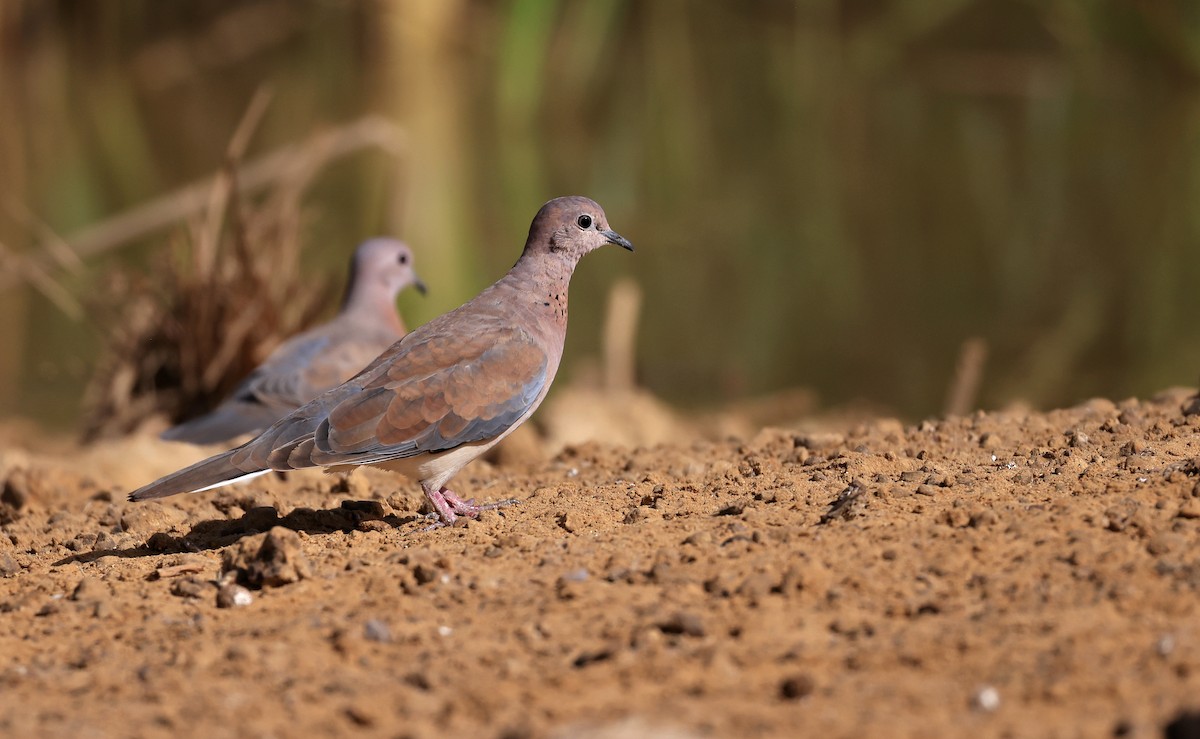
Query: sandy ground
[[1003, 574]]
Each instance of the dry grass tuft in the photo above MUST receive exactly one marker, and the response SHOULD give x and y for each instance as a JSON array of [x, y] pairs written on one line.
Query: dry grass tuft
[[226, 293], [186, 335]]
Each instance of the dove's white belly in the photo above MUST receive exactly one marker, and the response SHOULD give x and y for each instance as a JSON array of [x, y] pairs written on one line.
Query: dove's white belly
[[435, 470]]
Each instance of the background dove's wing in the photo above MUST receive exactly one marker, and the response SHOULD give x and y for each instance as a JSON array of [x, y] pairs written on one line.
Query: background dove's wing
[[283, 381]]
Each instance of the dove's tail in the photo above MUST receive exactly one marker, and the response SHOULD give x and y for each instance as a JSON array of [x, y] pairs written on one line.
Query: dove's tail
[[222, 424], [210, 473]]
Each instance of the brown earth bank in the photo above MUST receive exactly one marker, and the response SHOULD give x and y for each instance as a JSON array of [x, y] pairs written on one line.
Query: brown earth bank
[[1002, 574]]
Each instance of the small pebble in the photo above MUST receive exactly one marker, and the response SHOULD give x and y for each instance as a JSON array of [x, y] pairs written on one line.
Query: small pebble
[[49, 609], [1132, 447], [372, 508], [377, 631], [983, 517], [15, 492], [8, 566], [1190, 509], [189, 587], [796, 687], [682, 622], [233, 595], [579, 575], [986, 699], [699, 539], [1165, 645], [360, 716]]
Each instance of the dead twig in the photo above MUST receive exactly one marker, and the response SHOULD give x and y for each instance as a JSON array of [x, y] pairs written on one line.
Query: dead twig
[[968, 374], [314, 154], [56, 247], [13, 265], [204, 255], [230, 291], [620, 335]]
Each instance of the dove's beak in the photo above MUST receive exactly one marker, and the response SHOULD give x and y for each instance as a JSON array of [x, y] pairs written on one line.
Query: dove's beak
[[419, 284], [616, 238]]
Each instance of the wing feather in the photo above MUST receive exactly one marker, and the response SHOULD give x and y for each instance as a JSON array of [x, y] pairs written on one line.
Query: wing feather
[[283, 380], [430, 392], [487, 383]]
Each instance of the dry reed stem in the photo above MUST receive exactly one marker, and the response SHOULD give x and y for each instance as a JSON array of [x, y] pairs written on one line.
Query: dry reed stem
[[968, 374], [228, 293], [13, 264], [316, 153], [620, 335]]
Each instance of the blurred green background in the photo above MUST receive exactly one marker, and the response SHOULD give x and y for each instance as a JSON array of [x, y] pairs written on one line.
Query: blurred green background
[[832, 194]]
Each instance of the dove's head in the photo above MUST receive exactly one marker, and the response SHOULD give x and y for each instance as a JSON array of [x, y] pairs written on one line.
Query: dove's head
[[571, 227], [385, 267]]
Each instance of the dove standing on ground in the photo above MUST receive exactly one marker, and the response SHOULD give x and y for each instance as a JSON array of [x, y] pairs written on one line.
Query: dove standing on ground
[[313, 361], [445, 393]]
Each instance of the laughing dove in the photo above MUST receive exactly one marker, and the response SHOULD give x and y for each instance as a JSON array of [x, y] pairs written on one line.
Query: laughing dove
[[311, 362], [445, 393]]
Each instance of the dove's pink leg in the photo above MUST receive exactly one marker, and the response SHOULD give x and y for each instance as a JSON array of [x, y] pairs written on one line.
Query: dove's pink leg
[[449, 506]]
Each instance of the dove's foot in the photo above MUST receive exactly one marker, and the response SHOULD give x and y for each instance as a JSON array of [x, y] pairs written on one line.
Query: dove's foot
[[450, 507]]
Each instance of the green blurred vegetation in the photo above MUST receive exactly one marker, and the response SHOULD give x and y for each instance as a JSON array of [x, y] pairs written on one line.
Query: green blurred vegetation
[[824, 193]]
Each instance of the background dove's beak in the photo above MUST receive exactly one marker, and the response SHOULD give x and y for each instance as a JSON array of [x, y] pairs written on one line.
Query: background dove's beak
[[419, 284]]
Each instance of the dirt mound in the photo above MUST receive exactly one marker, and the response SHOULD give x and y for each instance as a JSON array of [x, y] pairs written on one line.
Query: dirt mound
[[1004, 573]]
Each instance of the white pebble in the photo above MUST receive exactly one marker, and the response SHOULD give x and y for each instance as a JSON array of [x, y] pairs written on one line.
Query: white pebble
[[987, 698], [1165, 645]]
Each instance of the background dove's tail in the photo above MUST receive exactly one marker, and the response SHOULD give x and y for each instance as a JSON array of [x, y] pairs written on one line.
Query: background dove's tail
[[222, 424], [210, 473]]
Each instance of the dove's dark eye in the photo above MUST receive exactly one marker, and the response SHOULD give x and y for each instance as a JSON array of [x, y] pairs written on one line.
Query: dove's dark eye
[[403, 259], [584, 221]]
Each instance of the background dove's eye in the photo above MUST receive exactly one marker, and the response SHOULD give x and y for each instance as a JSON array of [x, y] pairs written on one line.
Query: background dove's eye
[[403, 259], [584, 221]]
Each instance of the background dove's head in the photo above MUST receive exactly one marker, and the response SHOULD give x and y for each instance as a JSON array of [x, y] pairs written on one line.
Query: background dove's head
[[571, 227], [383, 266]]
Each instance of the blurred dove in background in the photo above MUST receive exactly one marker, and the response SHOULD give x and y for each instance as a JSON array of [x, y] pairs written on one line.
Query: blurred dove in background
[[442, 395], [323, 357]]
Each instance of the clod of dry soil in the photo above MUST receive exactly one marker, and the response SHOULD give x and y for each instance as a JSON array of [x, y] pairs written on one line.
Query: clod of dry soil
[[1018, 574]]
